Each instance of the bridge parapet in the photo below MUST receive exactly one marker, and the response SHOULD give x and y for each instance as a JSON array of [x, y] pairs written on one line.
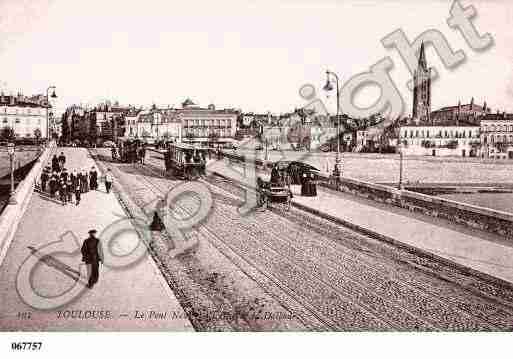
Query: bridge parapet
[[12, 214], [486, 219]]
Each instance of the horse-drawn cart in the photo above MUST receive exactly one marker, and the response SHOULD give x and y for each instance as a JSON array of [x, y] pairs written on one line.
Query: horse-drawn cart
[[271, 194]]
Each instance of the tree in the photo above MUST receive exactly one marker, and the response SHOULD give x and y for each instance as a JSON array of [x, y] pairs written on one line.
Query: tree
[[65, 129], [7, 133], [37, 134], [93, 128]]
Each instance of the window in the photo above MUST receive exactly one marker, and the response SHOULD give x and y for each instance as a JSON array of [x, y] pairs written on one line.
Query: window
[[5, 120], [17, 120]]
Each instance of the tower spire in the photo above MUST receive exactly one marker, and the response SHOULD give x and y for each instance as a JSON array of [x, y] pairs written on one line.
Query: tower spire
[[422, 57]]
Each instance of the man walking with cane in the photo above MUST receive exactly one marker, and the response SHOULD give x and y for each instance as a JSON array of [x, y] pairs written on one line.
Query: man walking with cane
[[92, 255]]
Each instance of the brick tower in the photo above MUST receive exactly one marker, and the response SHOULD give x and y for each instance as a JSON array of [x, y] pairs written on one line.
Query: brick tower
[[422, 90]]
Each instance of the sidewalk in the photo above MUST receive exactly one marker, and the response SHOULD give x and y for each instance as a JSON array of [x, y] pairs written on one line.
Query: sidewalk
[[124, 295], [478, 250]]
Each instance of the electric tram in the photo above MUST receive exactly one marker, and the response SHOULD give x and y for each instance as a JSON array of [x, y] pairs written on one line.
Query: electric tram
[[128, 150], [185, 161]]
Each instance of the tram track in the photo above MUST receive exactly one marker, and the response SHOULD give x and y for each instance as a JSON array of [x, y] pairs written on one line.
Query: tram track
[[423, 310], [242, 263], [497, 315], [409, 321], [489, 317], [296, 308]]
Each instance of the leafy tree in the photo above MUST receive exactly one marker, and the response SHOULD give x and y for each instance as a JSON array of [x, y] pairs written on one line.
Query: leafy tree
[[93, 128], [65, 129]]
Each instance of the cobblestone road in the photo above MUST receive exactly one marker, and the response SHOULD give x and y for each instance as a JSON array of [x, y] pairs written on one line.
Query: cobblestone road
[[330, 277]]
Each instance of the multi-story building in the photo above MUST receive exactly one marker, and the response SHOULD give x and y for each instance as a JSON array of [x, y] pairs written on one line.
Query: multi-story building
[[497, 136], [468, 112], [110, 119], [440, 140], [155, 124], [27, 116], [200, 124], [191, 123]]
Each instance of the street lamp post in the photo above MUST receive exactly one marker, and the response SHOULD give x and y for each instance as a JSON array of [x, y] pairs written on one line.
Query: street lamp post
[[329, 87], [401, 167], [10, 151], [47, 109]]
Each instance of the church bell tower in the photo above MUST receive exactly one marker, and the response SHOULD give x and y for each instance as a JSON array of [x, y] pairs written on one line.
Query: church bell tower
[[422, 90]]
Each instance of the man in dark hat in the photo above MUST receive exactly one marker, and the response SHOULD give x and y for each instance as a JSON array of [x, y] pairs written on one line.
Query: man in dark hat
[[93, 179], [92, 255]]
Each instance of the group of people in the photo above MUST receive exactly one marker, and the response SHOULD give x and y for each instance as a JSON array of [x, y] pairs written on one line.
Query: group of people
[[61, 184]]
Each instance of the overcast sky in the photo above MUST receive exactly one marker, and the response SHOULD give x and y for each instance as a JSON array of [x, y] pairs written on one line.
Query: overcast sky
[[253, 55]]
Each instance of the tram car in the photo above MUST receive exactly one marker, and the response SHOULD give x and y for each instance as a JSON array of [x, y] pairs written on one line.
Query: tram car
[[127, 150], [185, 161]]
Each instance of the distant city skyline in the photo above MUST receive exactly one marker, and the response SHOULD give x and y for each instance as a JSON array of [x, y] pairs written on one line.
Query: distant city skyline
[[252, 55]]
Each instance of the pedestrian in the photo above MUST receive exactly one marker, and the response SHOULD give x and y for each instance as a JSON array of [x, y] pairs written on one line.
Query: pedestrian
[[53, 184], [81, 180], [92, 255], [62, 160], [313, 185], [85, 175], [304, 184], [55, 163], [62, 192], [73, 178], [108, 180], [44, 179], [64, 175], [93, 179], [78, 193], [143, 154], [69, 190]]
